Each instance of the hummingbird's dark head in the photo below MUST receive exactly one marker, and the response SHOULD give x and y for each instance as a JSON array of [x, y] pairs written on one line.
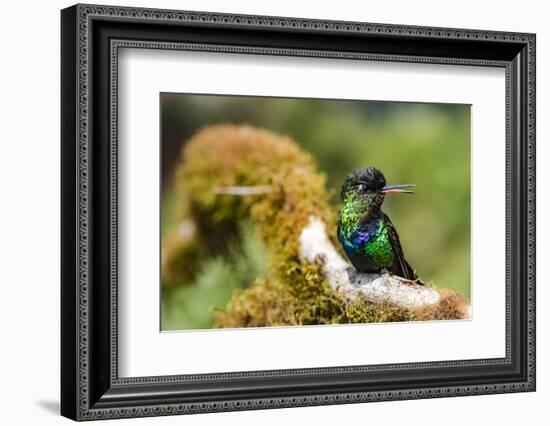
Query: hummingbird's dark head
[[361, 181], [366, 187]]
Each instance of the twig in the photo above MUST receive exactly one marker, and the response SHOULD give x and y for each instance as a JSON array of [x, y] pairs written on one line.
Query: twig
[[242, 190]]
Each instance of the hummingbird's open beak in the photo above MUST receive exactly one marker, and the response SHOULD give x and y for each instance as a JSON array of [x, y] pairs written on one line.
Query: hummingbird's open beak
[[398, 188]]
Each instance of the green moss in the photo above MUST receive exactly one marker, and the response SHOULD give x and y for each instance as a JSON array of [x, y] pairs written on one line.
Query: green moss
[[270, 302], [295, 293]]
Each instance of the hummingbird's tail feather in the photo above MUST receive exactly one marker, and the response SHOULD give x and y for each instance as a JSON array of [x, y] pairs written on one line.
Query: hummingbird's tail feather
[[400, 267], [403, 269]]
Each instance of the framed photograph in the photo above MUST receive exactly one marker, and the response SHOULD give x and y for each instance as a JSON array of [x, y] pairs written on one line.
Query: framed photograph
[[263, 212]]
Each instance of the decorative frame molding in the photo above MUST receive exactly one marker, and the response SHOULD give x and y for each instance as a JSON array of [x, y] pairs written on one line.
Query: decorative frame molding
[[91, 37]]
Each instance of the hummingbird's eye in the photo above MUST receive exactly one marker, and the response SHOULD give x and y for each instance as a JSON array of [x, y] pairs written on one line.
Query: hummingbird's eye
[[362, 188]]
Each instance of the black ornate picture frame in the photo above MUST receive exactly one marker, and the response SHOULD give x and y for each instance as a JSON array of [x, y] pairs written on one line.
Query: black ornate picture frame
[[90, 38]]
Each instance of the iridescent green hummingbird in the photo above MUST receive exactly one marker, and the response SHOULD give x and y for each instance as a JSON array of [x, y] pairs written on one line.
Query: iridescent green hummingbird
[[366, 233]]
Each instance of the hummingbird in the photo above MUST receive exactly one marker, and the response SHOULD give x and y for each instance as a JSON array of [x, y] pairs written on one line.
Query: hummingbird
[[366, 233]]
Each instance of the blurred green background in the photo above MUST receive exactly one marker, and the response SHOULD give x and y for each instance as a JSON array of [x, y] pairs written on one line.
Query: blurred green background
[[425, 144]]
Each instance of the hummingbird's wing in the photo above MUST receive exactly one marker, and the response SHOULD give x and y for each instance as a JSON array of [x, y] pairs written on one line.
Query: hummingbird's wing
[[402, 267]]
